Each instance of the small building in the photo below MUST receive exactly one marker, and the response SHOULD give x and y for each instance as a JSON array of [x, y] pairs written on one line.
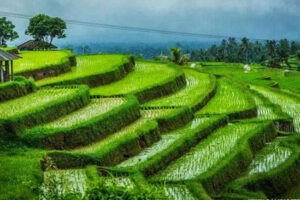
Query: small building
[[34, 45], [6, 65]]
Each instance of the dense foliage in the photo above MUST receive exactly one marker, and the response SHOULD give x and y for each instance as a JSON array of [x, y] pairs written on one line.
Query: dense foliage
[[7, 32]]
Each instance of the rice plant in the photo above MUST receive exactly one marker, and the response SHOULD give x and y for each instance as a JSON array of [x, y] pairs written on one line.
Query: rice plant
[[198, 85], [288, 104], [33, 60], [87, 65], [206, 154], [174, 192], [94, 109], [269, 158], [111, 139], [228, 99], [164, 143], [58, 183], [145, 75], [154, 113], [29, 102], [264, 111]]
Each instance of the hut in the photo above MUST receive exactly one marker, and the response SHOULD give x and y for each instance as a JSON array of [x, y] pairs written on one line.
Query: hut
[[6, 62], [33, 45]]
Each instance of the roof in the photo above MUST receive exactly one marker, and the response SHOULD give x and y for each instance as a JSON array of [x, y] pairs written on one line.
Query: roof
[[5, 56], [36, 45]]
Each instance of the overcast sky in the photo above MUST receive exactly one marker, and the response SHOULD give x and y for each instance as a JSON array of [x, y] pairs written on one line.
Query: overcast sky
[[251, 18]]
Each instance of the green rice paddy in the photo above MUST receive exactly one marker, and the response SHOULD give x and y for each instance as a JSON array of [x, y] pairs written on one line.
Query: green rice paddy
[[28, 103], [197, 88], [33, 60], [87, 65], [206, 154], [139, 79]]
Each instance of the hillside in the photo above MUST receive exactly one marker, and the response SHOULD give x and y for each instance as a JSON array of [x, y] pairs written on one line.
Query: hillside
[[147, 129]]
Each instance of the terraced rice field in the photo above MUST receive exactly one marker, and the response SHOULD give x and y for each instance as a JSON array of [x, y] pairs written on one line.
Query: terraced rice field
[[139, 79], [33, 60], [206, 154], [154, 113], [87, 66], [197, 88], [30, 102], [269, 158], [94, 109], [105, 145], [288, 105], [164, 143], [228, 99], [264, 111]]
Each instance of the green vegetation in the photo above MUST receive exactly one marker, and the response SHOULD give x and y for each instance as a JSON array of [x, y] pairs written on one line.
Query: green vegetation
[[199, 87], [93, 70], [7, 32], [17, 88], [89, 124], [41, 106], [232, 100], [37, 60], [288, 103], [144, 86]]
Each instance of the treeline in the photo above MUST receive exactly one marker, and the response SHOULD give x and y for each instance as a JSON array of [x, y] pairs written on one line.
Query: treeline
[[271, 52]]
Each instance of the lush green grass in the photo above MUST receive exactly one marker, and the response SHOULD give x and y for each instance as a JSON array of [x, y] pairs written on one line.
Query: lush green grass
[[256, 75], [206, 154], [7, 48], [88, 65], [174, 192], [229, 99], [287, 103], [197, 88], [33, 60], [145, 75], [28, 103], [20, 173], [269, 158]]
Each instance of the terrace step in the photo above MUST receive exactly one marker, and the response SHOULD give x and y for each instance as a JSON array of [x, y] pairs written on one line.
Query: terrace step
[[231, 99], [169, 119], [17, 88], [42, 64], [94, 70], [219, 158], [92, 123], [266, 110], [113, 149], [172, 145], [142, 85], [274, 170], [288, 103], [199, 90], [40, 107]]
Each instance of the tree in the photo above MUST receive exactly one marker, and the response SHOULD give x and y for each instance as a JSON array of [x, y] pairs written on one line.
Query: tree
[[245, 49], [283, 51], [294, 47], [7, 32], [177, 58], [273, 58], [45, 28]]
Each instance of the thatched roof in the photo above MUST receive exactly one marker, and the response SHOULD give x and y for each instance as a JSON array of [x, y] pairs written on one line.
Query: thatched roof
[[36, 45], [5, 56]]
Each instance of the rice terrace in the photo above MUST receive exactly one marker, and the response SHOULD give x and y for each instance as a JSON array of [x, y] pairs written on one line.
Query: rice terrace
[[214, 122]]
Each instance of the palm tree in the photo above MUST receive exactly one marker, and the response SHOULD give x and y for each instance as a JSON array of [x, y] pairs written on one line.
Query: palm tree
[[245, 47]]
